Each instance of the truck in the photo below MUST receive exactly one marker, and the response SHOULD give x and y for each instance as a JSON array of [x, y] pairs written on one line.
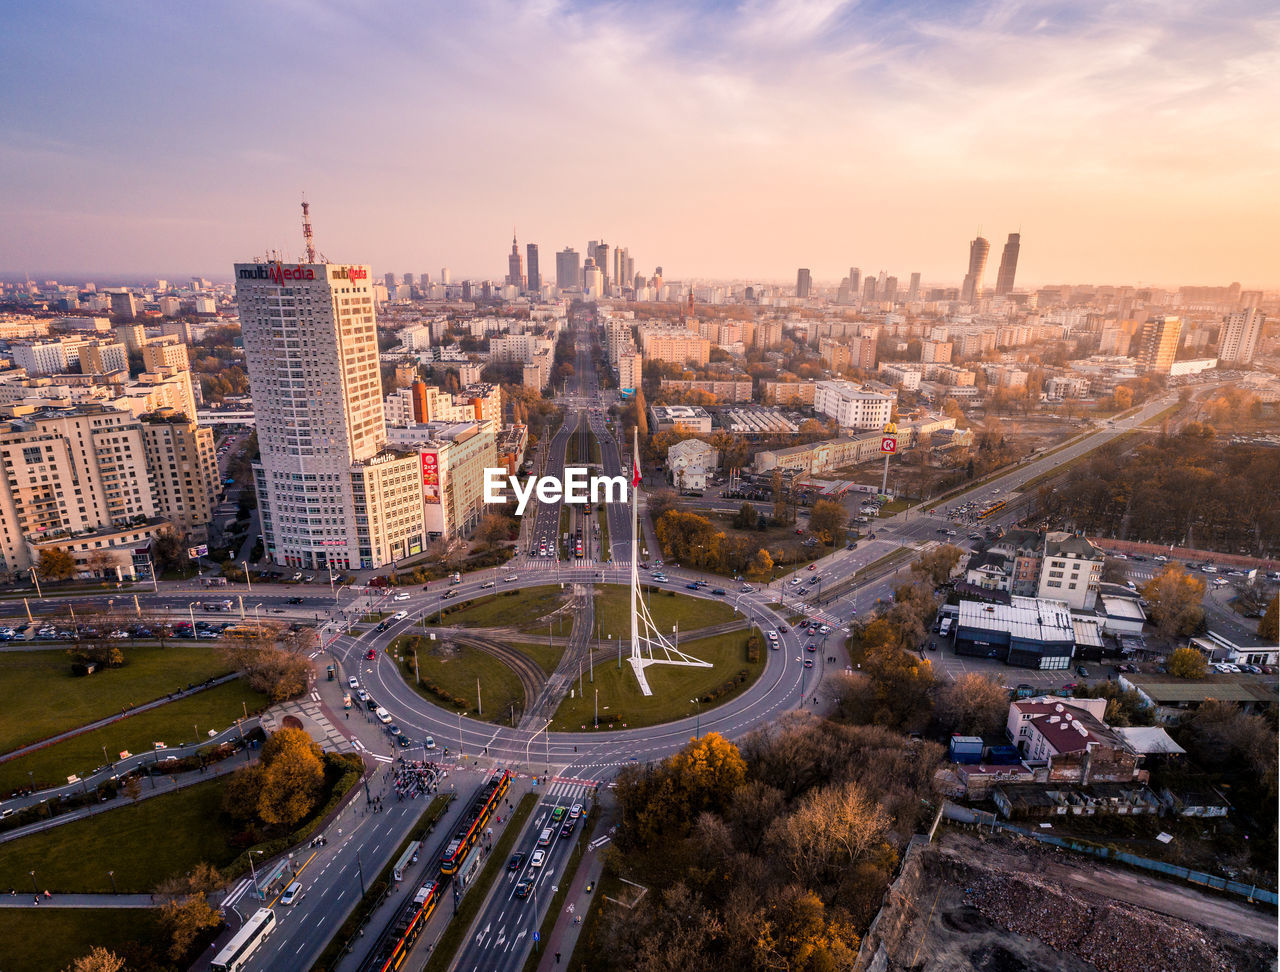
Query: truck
[[455, 578]]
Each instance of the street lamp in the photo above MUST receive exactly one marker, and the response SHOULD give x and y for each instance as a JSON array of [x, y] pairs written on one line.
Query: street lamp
[[192, 614], [245, 564], [697, 732], [112, 875], [33, 883]]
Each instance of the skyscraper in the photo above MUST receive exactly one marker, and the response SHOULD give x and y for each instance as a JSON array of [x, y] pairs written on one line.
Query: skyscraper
[[1239, 339], [1008, 265], [515, 266], [891, 289], [803, 282], [869, 288], [390, 280], [855, 280], [1158, 343], [568, 269], [328, 493], [913, 289], [535, 275], [602, 264], [971, 291]]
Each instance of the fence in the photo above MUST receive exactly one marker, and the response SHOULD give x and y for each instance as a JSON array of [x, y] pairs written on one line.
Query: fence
[[985, 819]]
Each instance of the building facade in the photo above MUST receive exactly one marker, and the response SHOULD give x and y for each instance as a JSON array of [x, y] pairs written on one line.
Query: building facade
[[852, 406]]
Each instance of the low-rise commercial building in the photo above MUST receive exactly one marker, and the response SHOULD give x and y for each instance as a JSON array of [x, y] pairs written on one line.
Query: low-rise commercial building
[[690, 462], [852, 406], [1028, 632], [663, 418]]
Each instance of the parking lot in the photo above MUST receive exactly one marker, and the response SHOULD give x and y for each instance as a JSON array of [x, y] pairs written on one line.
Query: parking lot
[[951, 666]]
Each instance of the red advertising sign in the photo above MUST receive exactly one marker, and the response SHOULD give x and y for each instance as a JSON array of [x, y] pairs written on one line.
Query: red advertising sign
[[430, 477], [889, 445]]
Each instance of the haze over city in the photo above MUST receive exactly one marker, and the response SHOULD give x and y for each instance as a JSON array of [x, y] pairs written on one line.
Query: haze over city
[[1128, 144]]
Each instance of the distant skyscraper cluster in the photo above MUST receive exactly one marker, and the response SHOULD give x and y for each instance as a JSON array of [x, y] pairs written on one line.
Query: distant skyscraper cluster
[[603, 270], [971, 289]]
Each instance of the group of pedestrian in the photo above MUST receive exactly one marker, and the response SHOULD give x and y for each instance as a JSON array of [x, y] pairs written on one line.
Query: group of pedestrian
[[413, 777]]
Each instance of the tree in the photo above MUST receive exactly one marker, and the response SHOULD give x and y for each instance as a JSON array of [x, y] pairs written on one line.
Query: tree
[[901, 685], [1174, 597], [98, 960], [831, 829], [281, 670], [779, 497], [1269, 626], [56, 564], [938, 563], [973, 705], [1187, 663], [1122, 398], [99, 562], [494, 529], [761, 565], [185, 921], [169, 549], [827, 520], [745, 518], [292, 777]]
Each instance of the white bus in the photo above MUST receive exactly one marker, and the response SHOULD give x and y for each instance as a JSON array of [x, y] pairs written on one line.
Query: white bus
[[237, 952]]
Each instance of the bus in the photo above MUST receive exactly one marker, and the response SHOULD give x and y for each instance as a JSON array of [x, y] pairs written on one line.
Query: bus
[[237, 951], [246, 631], [397, 941], [991, 510], [473, 822]]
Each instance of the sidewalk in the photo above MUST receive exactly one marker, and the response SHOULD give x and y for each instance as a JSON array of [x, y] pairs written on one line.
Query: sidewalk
[[563, 939], [23, 899]]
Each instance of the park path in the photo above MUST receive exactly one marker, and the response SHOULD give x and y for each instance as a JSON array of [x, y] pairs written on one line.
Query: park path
[[124, 714], [24, 899]]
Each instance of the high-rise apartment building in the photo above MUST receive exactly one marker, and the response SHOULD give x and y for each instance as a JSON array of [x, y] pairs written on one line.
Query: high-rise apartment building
[[1008, 265], [184, 470], [1238, 341], [165, 354], [804, 282], [1158, 343], [913, 289], [568, 269], [851, 405], [329, 494], [123, 305], [534, 274], [971, 291]]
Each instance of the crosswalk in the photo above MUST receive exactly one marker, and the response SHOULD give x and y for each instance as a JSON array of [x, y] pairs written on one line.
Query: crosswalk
[[569, 790]]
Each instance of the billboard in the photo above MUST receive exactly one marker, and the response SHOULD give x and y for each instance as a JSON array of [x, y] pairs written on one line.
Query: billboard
[[888, 445], [430, 478], [198, 551]]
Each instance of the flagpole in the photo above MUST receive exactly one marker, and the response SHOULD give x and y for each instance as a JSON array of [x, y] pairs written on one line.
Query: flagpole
[[635, 543]]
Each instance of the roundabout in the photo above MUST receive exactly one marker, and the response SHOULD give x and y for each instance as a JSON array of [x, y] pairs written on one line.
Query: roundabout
[[782, 682]]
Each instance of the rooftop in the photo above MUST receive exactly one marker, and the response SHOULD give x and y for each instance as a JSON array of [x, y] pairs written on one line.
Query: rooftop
[[1230, 687], [1030, 618]]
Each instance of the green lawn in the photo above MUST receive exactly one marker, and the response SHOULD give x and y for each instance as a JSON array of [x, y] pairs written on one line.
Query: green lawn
[[455, 670], [43, 698], [514, 609], [668, 607], [44, 939], [673, 686], [143, 843], [547, 656], [173, 723], [373, 617], [602, 515]]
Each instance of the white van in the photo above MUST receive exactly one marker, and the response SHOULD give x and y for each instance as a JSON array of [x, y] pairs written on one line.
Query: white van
[[383, 715]]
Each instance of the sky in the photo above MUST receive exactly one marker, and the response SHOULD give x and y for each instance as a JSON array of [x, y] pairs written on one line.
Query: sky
[[1129, 142]]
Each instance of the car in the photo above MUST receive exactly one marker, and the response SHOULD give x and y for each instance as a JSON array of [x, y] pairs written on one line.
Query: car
[[1082, 671], [746, 589], [813, 567], [448, 594], [558, 814], [824, 629], [539, 856], [371, 654], [575, 811], [489, 584], [294, 600], [291, 893], [691, 587], [428, 743], [510, 580], [297, 576], [362, 695], [544, 838], [796, 582], [1119, 556], [719, 591], [567, 829], [394, 730], [591, 885], [402, 596], [783, 628], [404, 741], [523, 889], [517, 861], [808, 663], [1138, 557], [1209, 569], [353, 682], [383, 715], [811, 647]]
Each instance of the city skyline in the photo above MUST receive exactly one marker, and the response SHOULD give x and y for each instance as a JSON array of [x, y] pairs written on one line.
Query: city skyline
[[1096, 132]]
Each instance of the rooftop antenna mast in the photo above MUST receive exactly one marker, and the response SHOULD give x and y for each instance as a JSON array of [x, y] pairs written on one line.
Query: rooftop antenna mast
[[307, 239]]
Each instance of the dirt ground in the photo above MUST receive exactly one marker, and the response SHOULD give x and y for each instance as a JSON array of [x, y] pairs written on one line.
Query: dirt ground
[[1005, 904]]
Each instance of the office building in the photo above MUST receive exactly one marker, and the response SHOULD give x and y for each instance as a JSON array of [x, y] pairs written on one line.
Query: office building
[[971, 290], [913, 289], [890, 289], [568, 270], [1158, 343], [804, 283], [1008, 265], [515, 266], [534, 274], [124, 306], [869, 289], [452, 457], [1070, 570], [852, 406], [329, 494], [1238, 341]]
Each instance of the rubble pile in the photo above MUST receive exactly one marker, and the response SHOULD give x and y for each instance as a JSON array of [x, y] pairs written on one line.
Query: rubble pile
[[1108, 935]]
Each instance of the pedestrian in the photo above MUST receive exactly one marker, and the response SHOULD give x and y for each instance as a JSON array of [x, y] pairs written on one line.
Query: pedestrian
[[36, 899]]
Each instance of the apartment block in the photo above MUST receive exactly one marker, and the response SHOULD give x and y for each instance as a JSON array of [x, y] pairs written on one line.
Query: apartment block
[[183, 463]]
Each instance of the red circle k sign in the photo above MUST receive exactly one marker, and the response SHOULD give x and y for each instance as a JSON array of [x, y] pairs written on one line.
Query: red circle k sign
[[888, 445]]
